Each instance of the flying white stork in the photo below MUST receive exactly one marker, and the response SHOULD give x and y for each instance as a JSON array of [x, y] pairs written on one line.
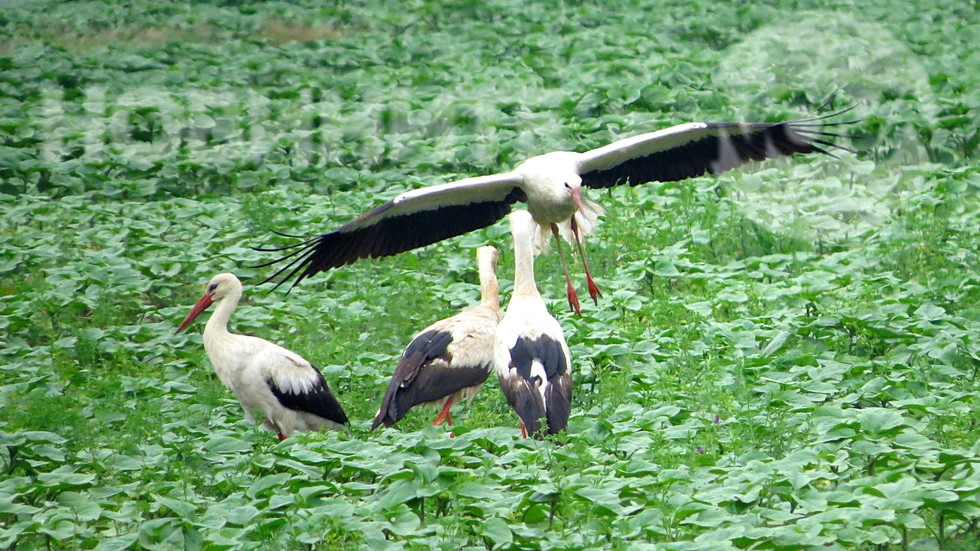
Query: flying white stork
[[282, 387], [531, 359], [449, 360], [551, 185]]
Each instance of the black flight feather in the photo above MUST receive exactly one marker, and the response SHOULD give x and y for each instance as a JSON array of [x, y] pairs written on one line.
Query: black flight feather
[[318, 400], [730, 148], [387, 237], [417, 381], [522, 393]]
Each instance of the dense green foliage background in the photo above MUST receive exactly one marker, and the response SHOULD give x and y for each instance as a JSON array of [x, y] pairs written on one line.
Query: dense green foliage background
[[785, 357]]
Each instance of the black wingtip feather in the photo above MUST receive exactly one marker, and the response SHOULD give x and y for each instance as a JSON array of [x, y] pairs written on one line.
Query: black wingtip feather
[[519, 387], [419, 378], [729, 147], [319, 400]]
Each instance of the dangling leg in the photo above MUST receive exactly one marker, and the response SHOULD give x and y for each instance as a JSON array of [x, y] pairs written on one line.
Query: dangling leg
[[572, 296], [593, 289], [444, 414]]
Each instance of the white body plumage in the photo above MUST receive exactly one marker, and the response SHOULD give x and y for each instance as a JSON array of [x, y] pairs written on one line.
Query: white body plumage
[[270, 382]]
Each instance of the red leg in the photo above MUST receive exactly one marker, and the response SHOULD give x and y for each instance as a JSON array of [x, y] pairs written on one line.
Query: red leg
[[593, 289], [280, 435], [572, 296], [523, 430], [444, 414]]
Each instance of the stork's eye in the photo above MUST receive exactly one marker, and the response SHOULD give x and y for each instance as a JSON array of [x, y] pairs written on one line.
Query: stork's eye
[[212, 287], [567, 186]]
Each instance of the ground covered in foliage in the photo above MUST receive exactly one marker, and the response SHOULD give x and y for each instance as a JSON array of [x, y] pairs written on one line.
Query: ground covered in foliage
[[785, 357]]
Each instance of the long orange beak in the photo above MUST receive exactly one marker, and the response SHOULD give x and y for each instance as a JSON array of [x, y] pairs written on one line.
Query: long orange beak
[[577, 197], [202, 305]]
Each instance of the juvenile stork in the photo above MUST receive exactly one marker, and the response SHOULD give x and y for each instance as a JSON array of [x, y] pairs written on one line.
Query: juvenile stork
[[279, 385], [551, 185], [531, 358], [449, 360]]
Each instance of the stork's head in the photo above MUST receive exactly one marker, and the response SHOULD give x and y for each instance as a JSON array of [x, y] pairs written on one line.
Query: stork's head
[[487, 256], [220, 287], [553, 186]]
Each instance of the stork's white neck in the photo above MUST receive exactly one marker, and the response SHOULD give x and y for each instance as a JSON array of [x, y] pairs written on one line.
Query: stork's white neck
[[217, 326], [524, 285]]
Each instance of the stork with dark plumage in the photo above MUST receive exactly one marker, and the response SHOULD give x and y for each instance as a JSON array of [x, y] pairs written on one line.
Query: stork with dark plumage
[[449, 360]]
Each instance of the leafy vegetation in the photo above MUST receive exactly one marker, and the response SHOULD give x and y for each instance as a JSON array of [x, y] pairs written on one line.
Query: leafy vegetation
[[785, 357]]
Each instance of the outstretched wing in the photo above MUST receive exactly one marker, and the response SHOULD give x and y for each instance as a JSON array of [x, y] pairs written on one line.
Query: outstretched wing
[[695, 149], [413, 219]]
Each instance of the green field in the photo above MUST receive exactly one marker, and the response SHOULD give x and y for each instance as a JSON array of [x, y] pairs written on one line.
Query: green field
[[785, 357]]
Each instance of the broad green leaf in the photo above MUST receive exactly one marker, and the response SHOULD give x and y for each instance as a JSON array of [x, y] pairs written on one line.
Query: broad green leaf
[[183, 509], [226, 444], [498, 531], [116, 543], [878, 420]]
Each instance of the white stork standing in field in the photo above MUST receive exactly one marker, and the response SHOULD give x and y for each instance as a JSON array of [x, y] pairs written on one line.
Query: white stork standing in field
[[285, 389], [531, 359], [551, 185], [449, 360]]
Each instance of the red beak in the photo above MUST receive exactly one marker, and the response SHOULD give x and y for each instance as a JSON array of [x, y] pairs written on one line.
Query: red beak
[[201, 306], [577, 197]]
